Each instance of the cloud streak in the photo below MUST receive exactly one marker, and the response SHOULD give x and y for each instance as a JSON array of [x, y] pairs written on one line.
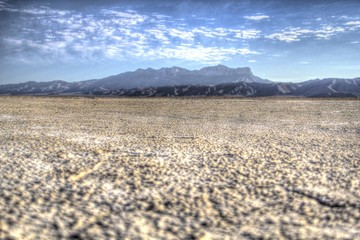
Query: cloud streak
[[122, 34], [257, 17], [292, 34], [117, 34]]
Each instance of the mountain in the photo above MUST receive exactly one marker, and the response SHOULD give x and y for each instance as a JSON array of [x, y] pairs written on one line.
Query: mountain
[[340, 88], [209, 81], [141, 78], [174, 76], [329, 87], [53, 87]]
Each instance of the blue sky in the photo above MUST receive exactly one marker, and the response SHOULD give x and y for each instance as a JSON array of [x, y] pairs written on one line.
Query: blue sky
[[281, 40]]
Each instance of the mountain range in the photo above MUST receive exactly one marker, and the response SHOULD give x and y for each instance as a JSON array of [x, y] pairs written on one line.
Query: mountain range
[[209, 81]]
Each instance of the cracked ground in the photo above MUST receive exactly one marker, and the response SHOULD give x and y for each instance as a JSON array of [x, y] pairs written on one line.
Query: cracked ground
[[171, 168]]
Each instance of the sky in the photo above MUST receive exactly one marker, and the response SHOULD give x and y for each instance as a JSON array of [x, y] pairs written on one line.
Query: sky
[[280, 40]]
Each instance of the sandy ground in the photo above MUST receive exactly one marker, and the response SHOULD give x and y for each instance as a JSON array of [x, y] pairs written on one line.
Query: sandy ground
[[179, 168]]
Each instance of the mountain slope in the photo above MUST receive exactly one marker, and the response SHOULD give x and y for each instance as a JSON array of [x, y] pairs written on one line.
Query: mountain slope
[[209, 81], [178, 76], [315, 88], [52, 87], [140, 78], [329, 87]]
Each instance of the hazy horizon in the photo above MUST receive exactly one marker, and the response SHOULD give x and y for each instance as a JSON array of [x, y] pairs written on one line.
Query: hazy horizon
[[283, 41], [80, 80]]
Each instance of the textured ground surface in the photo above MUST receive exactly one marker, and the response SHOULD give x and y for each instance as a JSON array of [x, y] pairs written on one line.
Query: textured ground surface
[[179, 168]]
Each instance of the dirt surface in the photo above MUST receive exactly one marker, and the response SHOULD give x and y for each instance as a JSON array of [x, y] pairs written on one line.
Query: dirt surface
[[167, 168]]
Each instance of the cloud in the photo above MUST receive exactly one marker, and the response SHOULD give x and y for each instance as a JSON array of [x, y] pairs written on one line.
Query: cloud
[[296, 34], [327, 31], [159, 35], [198, 53], [304, 63], [285, 36], [227, 33], [207, 32], [86, 38], [41, 10], [185, 35], [252, 61], [3, 5], [124, 34], [13, 42], [121, 18], [247, 34], [160, 16], [112, 51], [69, 36], [257, 17], [353, 23]]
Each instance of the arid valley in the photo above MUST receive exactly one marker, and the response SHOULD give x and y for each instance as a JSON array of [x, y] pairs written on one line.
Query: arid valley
[[179, 168]]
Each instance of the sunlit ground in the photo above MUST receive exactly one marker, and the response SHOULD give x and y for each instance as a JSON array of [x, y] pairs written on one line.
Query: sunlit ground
[[217, 168]]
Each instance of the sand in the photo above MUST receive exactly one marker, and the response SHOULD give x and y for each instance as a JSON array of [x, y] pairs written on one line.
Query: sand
[[171, 168]]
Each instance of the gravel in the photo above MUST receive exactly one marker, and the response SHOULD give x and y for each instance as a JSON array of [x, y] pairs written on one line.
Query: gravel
[[172, 168]]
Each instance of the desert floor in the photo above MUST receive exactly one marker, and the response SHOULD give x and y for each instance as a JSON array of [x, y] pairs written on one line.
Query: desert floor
[[169, 168]]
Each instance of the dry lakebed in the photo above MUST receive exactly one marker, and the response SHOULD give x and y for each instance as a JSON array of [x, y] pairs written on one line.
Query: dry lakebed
[[173, 168]]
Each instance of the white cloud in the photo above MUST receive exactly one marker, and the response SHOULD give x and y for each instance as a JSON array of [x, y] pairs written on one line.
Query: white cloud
[[296, 34], [73, 36], [327, 31], [353, 23], [161, 16], [198, 53], [108, 31], [208, 20], [221, 32], [246, 51], [69, 36], [207, 32], [54, 47], [43, 10], [290, 34], [129, 17], [117, 38], [257, 17], [185, 35], [212, 32], [227, 34], [117, 34], [159, 35], [112, 51], [90, 29], [285, 37], [13, 42], [3, 5], [304, 63], [247, 34]]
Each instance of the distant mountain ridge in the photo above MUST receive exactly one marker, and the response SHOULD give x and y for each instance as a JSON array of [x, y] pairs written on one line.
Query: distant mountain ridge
[[175, 81], [174, 76], [339, 88]]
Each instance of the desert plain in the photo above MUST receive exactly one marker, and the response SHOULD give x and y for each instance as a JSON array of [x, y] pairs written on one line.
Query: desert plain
[[172, 168]]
